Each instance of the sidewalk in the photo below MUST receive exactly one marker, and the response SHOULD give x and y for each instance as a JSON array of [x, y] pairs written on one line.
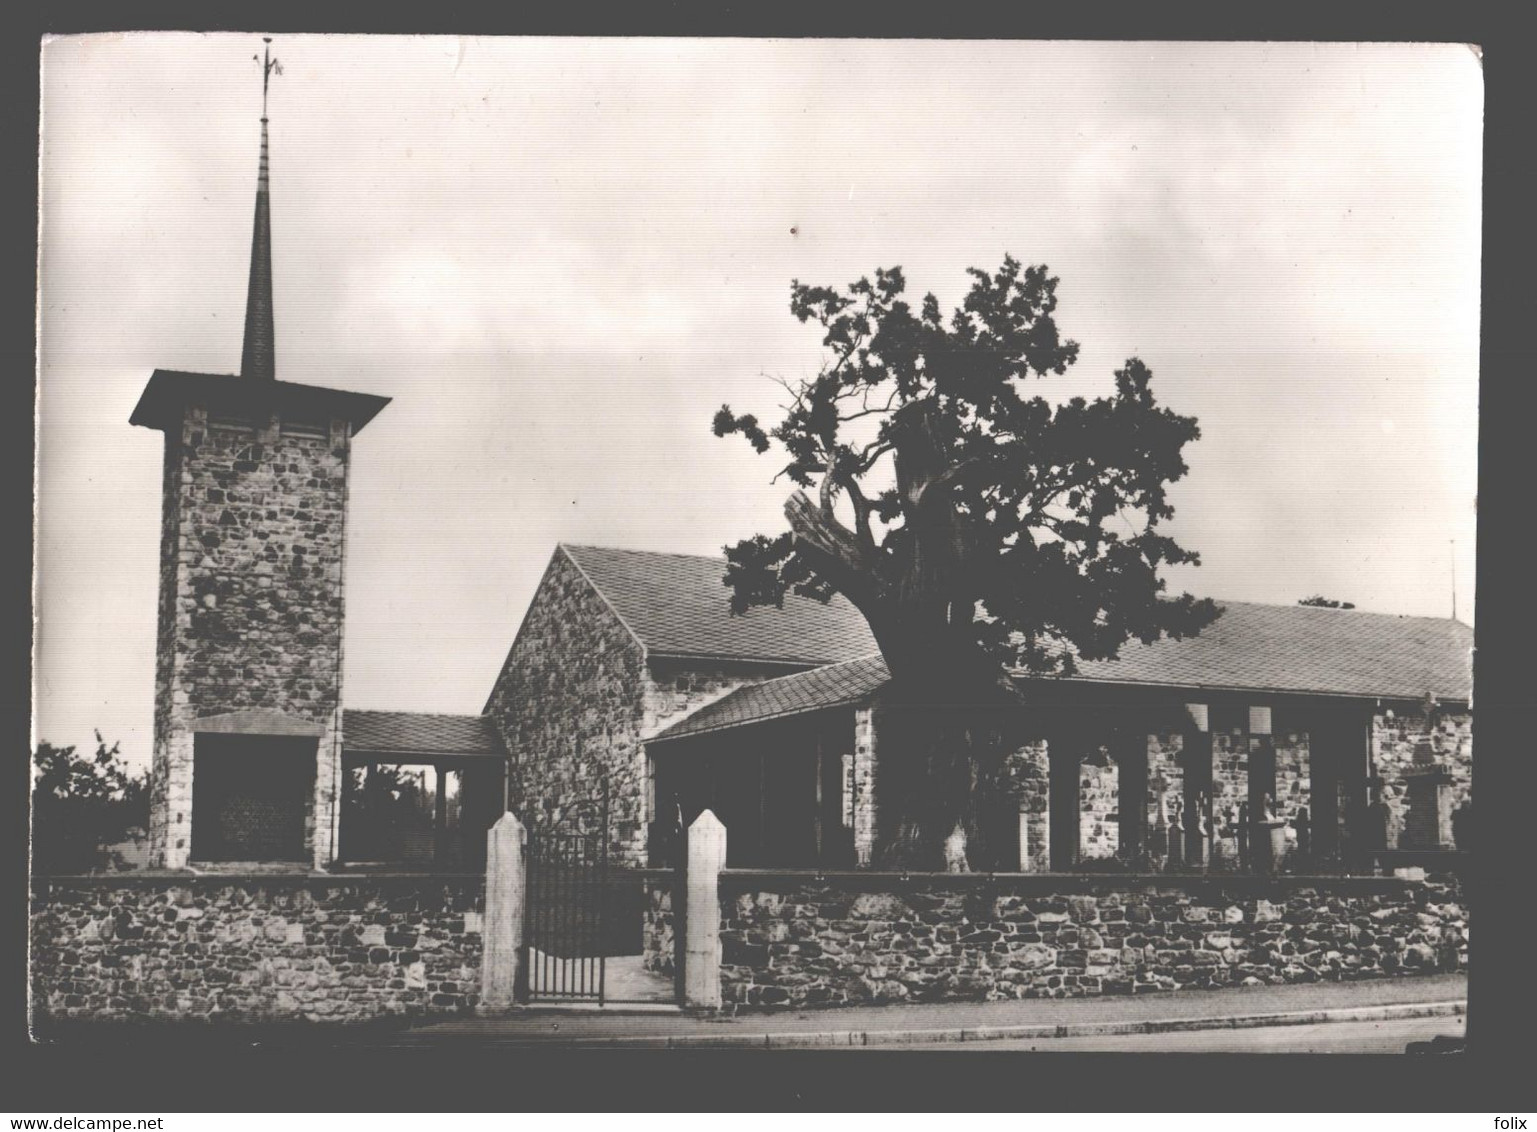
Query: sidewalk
[[1233, 1007]]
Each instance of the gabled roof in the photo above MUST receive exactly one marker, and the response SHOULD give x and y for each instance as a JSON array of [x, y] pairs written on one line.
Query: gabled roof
[[831, 685], [1275, 649], [1301, 648], [678, 605], [419, 734]]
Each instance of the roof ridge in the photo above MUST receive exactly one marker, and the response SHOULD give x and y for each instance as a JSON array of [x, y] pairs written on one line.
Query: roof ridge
[[637, 550], [1324, 609], [713, 558]]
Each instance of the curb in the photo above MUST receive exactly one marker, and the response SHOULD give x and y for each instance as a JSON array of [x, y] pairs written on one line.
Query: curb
[[837, 1039]]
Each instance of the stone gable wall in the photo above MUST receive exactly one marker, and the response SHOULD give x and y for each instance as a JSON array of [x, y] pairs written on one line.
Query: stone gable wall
[[569, 704], [252, 607], [793, 942], [212, 949], [576, 699]]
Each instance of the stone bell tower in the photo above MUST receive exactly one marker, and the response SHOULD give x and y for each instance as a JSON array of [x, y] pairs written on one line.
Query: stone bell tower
[[248, 674]]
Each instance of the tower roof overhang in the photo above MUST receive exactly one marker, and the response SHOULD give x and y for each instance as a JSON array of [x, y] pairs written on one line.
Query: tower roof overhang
[[169, 391]]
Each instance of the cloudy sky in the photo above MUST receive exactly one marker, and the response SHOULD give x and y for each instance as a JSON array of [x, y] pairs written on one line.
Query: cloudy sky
[[560, 256]]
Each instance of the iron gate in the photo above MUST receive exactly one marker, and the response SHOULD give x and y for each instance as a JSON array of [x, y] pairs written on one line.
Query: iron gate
[[581, 911], [567, 900]]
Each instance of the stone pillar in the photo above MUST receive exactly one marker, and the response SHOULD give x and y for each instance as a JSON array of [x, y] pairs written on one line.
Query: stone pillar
[[170, 816], [1099, 834], [1033, 775], [1165, 786], [1195, 763], [506, 892], [1229, 788], [866, 806], [326, 806], [701, 951]]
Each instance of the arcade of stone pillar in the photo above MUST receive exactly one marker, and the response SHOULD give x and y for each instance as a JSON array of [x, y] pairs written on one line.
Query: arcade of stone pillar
[[1231, 786]]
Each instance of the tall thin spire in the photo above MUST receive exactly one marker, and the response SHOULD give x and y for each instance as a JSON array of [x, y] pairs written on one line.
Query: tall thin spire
[[256, 355]]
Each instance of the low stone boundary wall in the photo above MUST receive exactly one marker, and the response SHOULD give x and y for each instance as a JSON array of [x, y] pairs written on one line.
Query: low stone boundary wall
[[255, 947], [795, 939], [659, 944]]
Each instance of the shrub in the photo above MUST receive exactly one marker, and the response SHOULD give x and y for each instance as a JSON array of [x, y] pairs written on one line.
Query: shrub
[[83, 805]]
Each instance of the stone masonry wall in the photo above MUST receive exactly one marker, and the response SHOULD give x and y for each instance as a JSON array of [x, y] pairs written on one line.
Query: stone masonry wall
[[575, 700], [1293, 777], [169, 832], [1030, 769], [799, 942], [1229, 772], [252, 601], [867, 806], [1405, 743], [659, 930], [1099, 833], [569, 705], [320, 949]]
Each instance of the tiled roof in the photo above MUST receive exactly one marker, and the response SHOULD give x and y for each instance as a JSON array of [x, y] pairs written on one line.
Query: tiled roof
[[1301, 648], [829, 686], [418, 733], [677, 604], [1260, 648]]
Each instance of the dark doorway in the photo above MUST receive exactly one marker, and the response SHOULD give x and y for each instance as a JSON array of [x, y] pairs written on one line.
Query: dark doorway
[[1064, 752], [1195, 759], [250, 797]]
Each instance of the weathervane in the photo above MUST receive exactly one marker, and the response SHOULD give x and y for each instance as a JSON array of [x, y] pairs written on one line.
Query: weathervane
[[269, 65]]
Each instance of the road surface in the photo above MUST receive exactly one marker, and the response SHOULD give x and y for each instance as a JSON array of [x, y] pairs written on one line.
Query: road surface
[[1390, 1036]]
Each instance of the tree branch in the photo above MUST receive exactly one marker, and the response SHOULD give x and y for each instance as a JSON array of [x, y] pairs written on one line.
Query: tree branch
[[833, 550], [862, 511]]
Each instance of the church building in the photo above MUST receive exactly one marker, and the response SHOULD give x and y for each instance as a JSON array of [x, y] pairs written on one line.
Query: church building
[[630, 678]]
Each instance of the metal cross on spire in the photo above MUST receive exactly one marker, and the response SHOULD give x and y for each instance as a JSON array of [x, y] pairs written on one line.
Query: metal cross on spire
[[269, 65]]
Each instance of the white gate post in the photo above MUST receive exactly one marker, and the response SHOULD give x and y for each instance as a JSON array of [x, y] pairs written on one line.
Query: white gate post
[[701, 951], [502, 941]]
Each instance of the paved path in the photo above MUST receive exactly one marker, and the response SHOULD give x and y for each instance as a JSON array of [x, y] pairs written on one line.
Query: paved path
[[624, 979], [1391, 1035], [956, 1021]]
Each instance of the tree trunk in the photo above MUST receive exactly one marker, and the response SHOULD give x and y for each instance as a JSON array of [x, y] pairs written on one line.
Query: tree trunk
[[946, 777]]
